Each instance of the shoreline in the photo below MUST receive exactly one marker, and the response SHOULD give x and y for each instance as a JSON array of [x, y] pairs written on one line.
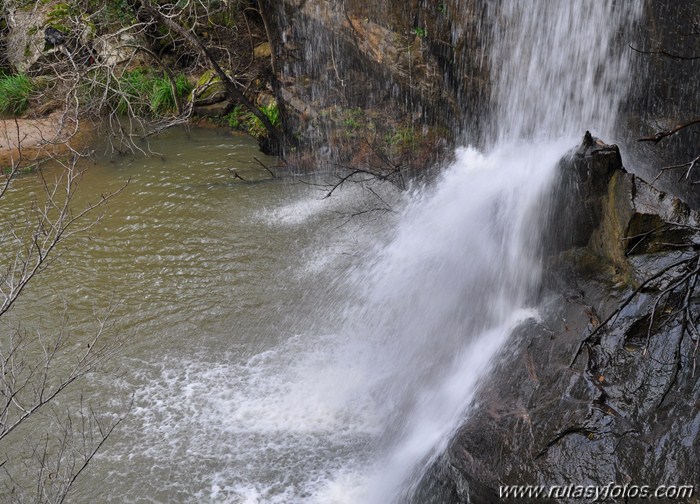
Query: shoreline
[[24, 140], [42, 138]]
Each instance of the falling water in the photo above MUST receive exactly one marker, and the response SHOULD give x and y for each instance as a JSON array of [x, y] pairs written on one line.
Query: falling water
[[356, 412], [559, 67], [444, 295]]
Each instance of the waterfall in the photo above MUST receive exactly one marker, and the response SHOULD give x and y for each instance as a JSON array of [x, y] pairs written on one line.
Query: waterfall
[[442, 298], [387, 354], [558, 67], [445, 295]]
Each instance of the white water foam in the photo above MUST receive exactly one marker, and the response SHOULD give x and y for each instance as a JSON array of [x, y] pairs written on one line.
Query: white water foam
[[317, 418], [355, 415]]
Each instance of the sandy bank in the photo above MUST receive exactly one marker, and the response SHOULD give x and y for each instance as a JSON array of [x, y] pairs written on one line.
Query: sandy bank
[[30, 140]]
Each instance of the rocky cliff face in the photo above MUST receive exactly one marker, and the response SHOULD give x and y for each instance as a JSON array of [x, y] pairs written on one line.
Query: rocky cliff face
[[398, 81], [4, 64], [606, 386], [383, 86], [665, 50]]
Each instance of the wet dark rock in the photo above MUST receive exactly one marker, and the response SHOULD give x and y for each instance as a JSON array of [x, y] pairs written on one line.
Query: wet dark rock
[[218, 109], [577, 207], [563, 407], [53, 36], [665, 92]]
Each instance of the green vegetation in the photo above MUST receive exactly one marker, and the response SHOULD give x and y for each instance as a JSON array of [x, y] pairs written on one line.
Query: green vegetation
[[240, 118], [93, 13], [420, 32], [162, 99], [234, 117], [132, 88], [15, 91], [113, 12], [59, 15], [104, 76], [143, 93], [272, 112], [354, 118], [9, 170], [402, 138]]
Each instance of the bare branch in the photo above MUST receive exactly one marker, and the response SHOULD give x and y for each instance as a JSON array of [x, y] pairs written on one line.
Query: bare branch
[[665, 53], [627, 301], [660, 135], [266, 167]]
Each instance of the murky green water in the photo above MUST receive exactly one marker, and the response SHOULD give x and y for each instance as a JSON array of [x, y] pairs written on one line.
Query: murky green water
[[213, 280], [177, 244]]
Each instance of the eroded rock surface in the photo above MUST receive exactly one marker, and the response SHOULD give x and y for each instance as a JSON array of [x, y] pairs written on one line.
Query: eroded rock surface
[[382, 86], [598, 390]]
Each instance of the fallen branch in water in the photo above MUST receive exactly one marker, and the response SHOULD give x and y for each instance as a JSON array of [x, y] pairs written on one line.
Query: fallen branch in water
[[236, 175], [266, 167]]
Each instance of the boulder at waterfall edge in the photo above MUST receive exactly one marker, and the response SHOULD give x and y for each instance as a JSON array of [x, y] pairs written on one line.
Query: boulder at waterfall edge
[[598, 390]]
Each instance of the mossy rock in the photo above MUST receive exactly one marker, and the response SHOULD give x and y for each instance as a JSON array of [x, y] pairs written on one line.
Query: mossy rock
[[209, 88], [263, 50]]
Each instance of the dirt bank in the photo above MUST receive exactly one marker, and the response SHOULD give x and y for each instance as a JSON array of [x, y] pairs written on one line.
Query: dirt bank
[[26, 141]]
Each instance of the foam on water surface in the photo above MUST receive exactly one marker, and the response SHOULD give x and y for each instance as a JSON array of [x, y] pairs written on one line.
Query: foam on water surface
[[387, 353]]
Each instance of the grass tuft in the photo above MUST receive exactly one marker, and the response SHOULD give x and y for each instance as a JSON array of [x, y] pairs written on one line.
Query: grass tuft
[[239, 118], [162, 99], [142, 93], [15, 91]]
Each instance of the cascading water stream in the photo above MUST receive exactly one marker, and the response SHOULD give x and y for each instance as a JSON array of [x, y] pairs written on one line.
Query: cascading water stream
[[443, 297], [354, 412], [558, 67], [446, 294]]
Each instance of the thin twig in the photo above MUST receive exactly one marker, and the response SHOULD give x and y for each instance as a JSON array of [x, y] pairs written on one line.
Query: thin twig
[[266, 168], [663, 52], [627, 301], [660, 135]]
